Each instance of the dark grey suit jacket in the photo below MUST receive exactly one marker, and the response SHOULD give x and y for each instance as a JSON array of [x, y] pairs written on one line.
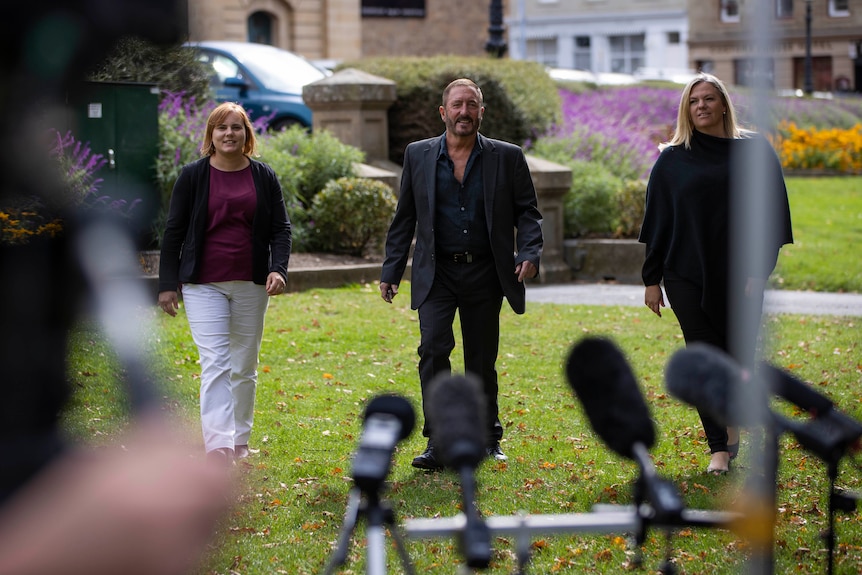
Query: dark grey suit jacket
[[514, 221]]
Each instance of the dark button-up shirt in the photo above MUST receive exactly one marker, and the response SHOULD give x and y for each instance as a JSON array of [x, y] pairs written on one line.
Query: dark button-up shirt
[[460, 206]]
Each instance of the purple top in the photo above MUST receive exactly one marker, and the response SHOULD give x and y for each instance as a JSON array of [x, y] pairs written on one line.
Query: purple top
[[227, 249]]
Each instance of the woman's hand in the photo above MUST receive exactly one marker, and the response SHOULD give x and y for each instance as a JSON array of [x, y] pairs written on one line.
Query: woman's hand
[[169, 302], [654, 298], [275, 283]]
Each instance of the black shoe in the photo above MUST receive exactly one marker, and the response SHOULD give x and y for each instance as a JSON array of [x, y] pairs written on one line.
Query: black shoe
[[733, 449], [427, 460], [497, 453]]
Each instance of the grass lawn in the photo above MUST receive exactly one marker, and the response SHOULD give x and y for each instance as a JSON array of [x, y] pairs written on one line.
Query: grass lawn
[[827, 233], [326, 353]]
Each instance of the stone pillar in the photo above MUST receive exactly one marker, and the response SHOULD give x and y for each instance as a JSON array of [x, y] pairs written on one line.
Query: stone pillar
[[353, 105], [551, 181]]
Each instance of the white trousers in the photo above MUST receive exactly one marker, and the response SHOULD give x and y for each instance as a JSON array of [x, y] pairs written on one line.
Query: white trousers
[[226, 321]]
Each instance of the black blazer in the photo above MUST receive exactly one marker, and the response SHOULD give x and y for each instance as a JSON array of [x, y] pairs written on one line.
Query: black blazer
[[514, 221], [187, 219]]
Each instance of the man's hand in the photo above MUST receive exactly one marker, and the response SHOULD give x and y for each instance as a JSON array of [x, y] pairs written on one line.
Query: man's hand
[[388, 291], [525, 269]]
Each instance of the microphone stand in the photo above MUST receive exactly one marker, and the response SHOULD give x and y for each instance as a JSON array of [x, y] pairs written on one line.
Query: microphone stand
[[379, 516], [829, 436], [475, 537], [660, 505], [658, 502]]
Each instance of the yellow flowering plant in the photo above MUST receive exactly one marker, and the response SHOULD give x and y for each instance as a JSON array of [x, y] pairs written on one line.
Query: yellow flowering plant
[[836, 150]]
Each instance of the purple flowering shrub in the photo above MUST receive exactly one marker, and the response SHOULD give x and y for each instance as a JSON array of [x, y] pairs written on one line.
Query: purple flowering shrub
[[619, 128], [182, 125], [843, 113], [78, 170], [77, 167], [609, 139]]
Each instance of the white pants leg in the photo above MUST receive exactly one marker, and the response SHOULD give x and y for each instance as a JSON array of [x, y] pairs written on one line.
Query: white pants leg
[[226, 321]]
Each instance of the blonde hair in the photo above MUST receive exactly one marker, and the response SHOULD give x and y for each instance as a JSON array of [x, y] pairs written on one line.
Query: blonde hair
[[684, 125], [217, 116]]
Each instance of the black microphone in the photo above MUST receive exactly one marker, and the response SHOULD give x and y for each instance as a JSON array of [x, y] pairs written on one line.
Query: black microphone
[[705, 377], [796, 391], [388, 419], [456, 408], [603, 381]]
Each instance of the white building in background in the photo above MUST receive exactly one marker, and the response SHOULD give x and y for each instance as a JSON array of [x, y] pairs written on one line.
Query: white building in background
[[601, 36]]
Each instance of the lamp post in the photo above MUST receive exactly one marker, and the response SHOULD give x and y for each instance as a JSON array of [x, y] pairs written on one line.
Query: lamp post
[[808, 87], [496, 45]]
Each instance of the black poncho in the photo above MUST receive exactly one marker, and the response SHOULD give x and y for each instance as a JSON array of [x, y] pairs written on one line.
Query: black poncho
[[687, 227]]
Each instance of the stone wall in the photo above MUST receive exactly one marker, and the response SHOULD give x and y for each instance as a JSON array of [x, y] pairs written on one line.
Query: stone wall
[[458, 27]]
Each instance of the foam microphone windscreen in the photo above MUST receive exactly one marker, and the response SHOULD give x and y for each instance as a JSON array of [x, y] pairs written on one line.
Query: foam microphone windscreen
[[706, 377], [456, 408], [604, 383], [797, 392], [395, 406]]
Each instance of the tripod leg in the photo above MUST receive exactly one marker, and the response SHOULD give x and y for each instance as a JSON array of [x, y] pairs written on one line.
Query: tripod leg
[[399, 547], [351, 515], [376, 550]]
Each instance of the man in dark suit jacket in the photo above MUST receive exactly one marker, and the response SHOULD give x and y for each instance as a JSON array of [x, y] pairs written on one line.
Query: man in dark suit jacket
[[471, 203]]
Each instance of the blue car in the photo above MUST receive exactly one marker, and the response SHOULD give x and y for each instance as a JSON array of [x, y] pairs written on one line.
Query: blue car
[[265, 80]]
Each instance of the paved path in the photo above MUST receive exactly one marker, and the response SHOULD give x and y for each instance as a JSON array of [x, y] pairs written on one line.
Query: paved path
[[776, 301]]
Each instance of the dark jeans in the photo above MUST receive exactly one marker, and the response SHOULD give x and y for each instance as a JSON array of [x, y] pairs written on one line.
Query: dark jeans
[[685, 300], [474, 291]]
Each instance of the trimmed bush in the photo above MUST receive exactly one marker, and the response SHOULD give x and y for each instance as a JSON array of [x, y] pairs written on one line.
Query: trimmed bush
[[350, 215], [521, 100], [305, 163], [590, 207], [631, 203]]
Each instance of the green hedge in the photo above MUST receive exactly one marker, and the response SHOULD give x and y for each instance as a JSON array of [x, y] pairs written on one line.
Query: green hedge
[[521, 100]]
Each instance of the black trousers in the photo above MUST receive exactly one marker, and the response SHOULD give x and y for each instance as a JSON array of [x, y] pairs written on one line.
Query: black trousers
[[473, 290], [685, 299]]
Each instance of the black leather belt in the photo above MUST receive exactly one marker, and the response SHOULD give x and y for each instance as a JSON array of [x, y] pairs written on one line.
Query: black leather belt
[[463, 258]]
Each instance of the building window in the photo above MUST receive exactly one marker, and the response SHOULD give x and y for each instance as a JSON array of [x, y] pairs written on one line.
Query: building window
[[673, 37], [705, 66], [583, 55], [628, 53], [543, 51], [393, 8], [260, 28], [729, 11], [784, 9], [839, 8]]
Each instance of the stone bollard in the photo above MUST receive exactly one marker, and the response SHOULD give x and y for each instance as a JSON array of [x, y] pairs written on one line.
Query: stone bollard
[[353, 105], [551, 181]]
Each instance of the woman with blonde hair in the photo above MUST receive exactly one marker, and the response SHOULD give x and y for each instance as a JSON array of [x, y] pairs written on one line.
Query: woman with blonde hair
[[688, 232], [226, 246]]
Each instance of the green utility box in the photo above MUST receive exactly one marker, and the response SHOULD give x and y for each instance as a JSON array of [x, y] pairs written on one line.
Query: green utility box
[[121, 123]]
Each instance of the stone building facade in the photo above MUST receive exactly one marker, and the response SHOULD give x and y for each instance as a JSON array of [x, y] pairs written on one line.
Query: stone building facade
[[719, 42], [619, 36], [336, 30]]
